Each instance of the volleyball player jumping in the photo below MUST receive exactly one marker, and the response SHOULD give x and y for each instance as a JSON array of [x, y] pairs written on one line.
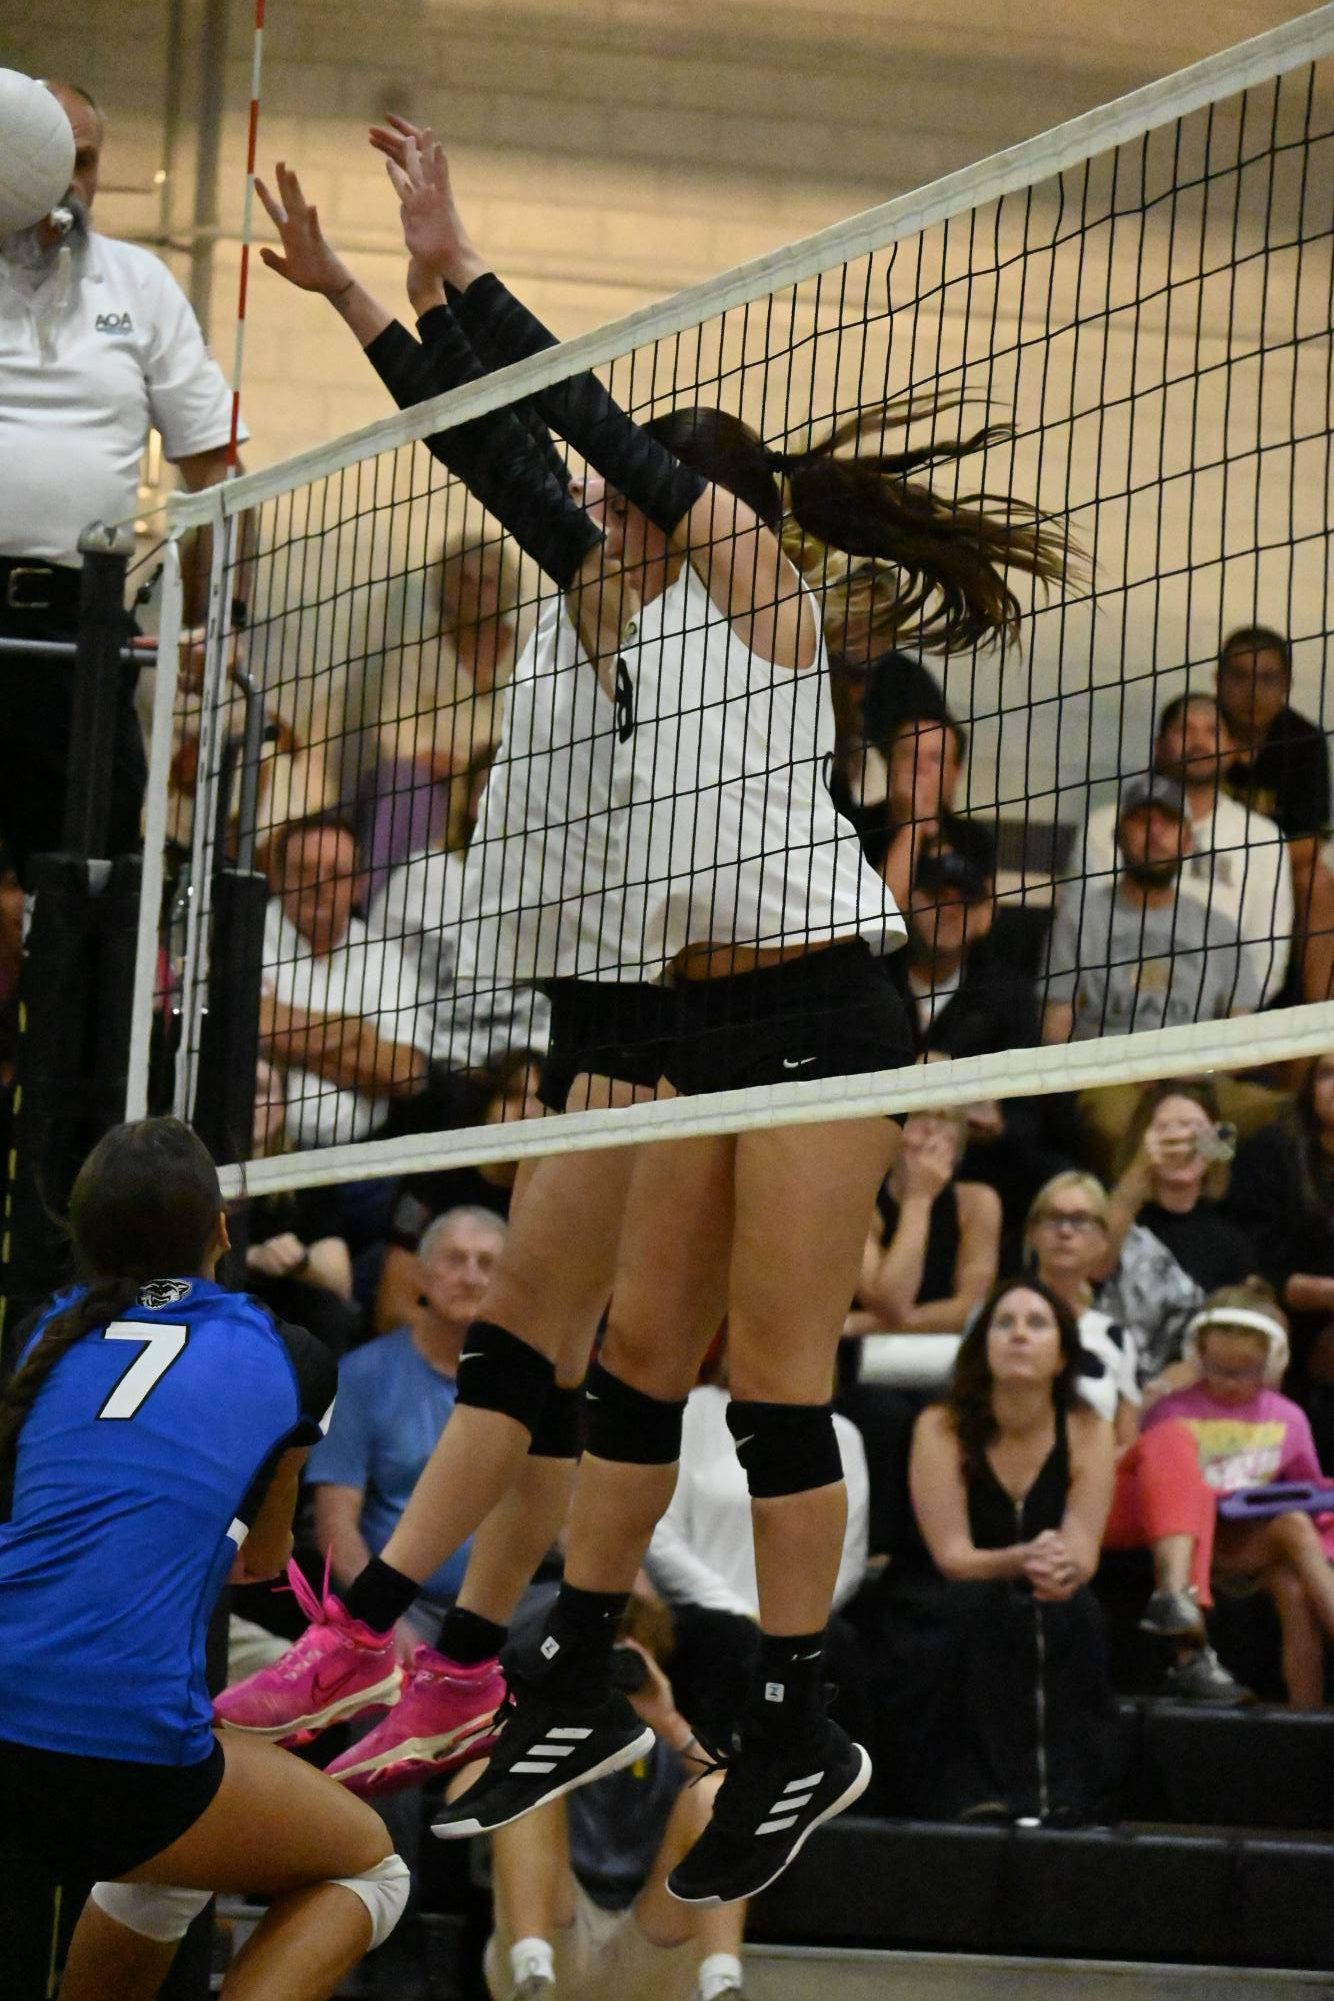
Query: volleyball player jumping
[[153, 1432], [716, 651]]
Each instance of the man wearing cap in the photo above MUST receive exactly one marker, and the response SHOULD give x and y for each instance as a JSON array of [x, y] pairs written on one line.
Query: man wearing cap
[[1135, 954], [98, 346]]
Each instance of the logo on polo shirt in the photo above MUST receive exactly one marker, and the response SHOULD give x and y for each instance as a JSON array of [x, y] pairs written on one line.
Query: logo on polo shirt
[[114, 323]]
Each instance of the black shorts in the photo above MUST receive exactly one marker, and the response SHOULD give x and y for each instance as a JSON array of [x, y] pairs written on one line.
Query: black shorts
[[831, 1013], [94, 1819], [601, 1029]]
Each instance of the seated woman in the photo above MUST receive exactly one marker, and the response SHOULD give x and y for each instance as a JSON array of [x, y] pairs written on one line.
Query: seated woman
[[997, 1683], [1248, 1435], [931, 1257], [1173, 1172], [1161, 1500]]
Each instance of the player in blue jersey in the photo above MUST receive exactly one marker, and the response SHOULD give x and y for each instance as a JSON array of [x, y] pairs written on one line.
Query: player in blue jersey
[[150, 1441]]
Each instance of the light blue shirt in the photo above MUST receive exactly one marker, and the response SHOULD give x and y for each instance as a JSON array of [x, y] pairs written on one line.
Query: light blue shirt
[[392, 1407]]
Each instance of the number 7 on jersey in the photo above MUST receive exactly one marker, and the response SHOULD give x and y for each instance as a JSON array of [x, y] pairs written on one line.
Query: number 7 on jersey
[[161, 1346]]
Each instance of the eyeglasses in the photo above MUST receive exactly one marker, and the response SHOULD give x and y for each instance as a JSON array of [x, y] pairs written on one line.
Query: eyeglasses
[[1246, 1372], [1077, 1220]]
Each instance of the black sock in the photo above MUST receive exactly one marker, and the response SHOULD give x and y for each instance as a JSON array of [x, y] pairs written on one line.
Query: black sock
[[468, 1638], [573, 1656], [785, 1697], [379, 1595]]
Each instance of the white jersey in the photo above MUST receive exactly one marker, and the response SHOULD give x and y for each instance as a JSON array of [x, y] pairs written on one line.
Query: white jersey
[[692, 809]]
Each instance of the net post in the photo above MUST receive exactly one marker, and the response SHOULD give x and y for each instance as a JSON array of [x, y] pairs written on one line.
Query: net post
[[205, 812], [155, 836], [106, 553]]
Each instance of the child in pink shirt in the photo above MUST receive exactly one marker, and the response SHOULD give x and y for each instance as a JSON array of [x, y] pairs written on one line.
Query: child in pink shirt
[[1248, 1435]]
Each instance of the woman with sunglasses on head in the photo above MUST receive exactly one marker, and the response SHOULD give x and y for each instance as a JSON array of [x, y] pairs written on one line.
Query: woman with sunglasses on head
[[1161, 1500]]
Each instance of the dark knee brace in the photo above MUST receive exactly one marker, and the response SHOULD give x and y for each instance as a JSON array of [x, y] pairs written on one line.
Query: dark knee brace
[[559, 1430], [498, 1371], [627, 1425], [785, 1448]]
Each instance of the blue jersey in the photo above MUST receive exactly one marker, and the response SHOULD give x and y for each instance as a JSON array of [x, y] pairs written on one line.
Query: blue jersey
[[141, 1465]]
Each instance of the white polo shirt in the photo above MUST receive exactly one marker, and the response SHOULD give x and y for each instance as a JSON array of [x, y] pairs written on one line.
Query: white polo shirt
[[81, 385], [361, 976]]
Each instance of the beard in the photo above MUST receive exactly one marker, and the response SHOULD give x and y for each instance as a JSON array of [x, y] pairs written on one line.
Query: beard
[[30, 250], [1151, 875]]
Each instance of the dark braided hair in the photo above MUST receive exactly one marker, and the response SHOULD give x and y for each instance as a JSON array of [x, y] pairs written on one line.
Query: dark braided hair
[[145, 1205], [928, 568], [969, 1400]]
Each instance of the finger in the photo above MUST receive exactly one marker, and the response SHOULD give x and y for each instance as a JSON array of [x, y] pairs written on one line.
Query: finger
[[386, 142], [290, 188], [402, 125], [401, 184], [273, 260], [436, 170], [273, 209]]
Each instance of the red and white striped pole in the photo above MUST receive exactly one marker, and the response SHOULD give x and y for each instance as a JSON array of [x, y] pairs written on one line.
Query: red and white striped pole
[[238, 359]]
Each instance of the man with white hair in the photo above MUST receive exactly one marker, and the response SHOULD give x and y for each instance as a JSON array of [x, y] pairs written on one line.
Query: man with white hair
[[98, 347]]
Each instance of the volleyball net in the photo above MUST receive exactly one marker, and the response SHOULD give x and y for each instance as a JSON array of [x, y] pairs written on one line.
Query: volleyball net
[[1131, 315]]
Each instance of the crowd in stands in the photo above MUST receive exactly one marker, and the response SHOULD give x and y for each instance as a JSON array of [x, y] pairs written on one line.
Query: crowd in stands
[[1138, 1281]]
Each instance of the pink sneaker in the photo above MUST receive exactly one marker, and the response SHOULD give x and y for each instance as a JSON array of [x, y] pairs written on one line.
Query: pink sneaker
[[336, 1670], [442, 1720]]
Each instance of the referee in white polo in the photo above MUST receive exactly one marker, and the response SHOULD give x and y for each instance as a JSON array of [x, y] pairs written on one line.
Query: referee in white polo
[[98, 346]]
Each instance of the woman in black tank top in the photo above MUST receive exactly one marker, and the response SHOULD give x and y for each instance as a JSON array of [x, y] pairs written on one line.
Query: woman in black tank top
[[1001, 1706]]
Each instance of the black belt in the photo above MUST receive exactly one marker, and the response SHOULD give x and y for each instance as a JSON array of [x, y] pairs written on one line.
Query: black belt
[[27, 584]]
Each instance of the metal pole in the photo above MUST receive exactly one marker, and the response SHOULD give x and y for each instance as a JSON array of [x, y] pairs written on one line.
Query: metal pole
[[102, 624], [155, 837]]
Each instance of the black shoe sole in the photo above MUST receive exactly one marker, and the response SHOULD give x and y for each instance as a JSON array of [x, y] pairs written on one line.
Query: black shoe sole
[[851, 1792], [639, 1747]]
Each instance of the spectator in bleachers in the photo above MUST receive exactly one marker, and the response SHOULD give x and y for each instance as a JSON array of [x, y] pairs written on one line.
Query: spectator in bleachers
[[296, 1260], [1000, 1702], [395, 1397], [1175, 1170], [967, 999], [1238, 863], [924, 753], [581, 1906], [340, 1014], [1137, 955], [1281, 769], [492, 1098], [701, 1562], [1248, 1435], [1160, 1500], [934, 1241], [1282, 1192]]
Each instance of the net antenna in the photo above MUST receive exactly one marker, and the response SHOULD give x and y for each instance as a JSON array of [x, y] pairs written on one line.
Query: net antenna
[[1139, 302]]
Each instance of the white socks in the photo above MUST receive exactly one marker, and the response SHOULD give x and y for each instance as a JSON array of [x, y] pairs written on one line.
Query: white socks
[[718, 1973], [531, 1959]]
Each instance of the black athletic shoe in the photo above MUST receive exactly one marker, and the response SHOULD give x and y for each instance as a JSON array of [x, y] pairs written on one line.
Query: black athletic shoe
[[543, 1749], [767, 1805]]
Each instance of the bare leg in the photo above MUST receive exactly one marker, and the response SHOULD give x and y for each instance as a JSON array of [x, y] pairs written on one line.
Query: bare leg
[[531, 1874], [667, 1304], [1291, 1542], [1172, 1557], [1303, 1646], [662, 1918], [803, 1194], [551, 1299], [312, 1831]]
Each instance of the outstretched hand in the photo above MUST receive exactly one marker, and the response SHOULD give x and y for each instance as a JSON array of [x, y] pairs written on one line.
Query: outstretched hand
[[432, 230], [307, 260]]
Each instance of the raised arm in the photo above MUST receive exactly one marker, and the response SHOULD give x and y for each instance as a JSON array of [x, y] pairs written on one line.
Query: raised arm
[[940, 1502]]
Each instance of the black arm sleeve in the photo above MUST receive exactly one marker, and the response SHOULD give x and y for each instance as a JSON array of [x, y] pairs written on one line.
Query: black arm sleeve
[[526, 413], [495, 456], [581, 410]]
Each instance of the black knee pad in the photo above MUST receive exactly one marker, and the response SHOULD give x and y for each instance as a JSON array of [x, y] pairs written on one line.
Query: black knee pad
[[559, 1432], [498, 1371], [785, 1448], [626, 1425]]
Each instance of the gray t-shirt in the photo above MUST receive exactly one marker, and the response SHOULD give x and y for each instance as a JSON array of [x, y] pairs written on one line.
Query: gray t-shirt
[[1126, 966]]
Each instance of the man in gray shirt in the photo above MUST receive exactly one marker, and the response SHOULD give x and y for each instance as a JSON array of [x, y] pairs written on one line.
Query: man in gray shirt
[[1139, 955]]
